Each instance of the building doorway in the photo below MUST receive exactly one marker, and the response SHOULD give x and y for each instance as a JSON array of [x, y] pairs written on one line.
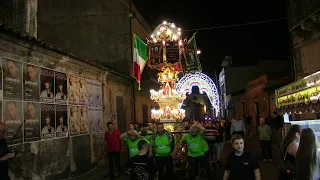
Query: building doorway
[[257, 115], [145, 113], [121, 114]]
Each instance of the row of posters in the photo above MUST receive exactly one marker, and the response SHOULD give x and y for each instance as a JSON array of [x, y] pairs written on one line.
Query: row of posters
[[38, 103], [28, 82]]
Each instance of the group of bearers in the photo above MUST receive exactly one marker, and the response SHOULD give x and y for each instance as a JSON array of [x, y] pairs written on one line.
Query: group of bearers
[[150, 152]]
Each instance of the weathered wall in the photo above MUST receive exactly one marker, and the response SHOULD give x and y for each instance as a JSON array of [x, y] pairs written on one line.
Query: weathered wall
[[64, 157], [96, 30], [310, 57]]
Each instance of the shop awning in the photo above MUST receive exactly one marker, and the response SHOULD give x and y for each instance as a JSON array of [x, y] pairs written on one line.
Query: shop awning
[[301, 96]]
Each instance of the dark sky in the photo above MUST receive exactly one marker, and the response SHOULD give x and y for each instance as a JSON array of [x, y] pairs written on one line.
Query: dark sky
[[246, 44]]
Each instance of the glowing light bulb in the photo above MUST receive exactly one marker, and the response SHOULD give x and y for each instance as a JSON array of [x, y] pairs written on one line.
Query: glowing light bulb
[[179, 33], [173, 25], [164, 22], [158, 33], [163, 42], [169, 31], [179, 29], [180, 42], [154, 40], [152, 36], [174, 37], [162, 28], [198, 52]]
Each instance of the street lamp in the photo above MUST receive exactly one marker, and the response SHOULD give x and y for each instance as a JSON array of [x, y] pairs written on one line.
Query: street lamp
[[198, 51]]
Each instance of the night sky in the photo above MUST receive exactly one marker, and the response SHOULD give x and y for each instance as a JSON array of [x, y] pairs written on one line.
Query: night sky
[[246, 44]]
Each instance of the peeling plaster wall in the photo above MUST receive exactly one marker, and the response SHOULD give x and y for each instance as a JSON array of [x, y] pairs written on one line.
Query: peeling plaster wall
[[64, 157]]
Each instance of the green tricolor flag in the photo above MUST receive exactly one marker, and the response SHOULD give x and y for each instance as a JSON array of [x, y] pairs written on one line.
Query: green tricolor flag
[[140, 57]]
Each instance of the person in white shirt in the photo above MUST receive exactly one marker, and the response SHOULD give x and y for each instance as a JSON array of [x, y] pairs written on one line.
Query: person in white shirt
[[237, 127]]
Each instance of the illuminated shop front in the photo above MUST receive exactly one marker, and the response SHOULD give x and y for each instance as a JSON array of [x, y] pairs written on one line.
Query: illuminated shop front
[[299, 102]]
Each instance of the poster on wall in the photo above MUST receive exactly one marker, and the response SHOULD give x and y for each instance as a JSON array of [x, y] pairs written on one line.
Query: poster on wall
[[47, 85], [91, 119], [47, 121], [95, 118], [1, 91], [12, 114], [31, 121], [74, 125], [95, 93], [83, 91], [62, 121], [73, 89], [83, 117], [12, 79], [99, 119], [31, 82], [61, 88]]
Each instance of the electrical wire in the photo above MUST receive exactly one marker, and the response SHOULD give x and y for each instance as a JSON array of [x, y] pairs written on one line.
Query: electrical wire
[[235, 25], [220, 27]]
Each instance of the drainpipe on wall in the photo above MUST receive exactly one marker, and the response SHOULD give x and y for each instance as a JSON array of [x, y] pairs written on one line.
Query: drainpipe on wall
[[269, 103], [131, 52]]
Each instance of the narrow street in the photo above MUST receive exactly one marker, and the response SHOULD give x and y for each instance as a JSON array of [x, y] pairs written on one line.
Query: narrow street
[[269, 171]]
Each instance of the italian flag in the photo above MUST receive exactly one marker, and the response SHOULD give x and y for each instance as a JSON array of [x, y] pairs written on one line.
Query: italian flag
[[140, 57]]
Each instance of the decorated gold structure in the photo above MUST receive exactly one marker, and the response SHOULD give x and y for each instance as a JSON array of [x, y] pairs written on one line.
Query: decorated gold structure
[[165, 52]]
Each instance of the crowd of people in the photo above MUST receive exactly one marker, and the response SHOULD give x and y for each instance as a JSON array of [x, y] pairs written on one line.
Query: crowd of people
[[151, 149]]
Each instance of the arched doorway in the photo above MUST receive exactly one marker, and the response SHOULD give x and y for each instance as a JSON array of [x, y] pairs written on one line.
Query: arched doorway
[[205, 85]]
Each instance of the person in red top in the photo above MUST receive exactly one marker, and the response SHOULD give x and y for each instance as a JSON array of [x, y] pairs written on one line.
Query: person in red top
[[112, 138]]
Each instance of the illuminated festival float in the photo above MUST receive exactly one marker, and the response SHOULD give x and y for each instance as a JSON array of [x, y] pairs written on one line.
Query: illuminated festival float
[[171, 55]]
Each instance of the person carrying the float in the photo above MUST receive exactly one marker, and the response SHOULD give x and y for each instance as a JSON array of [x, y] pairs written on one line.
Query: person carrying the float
[[197, 150], [163, 143]]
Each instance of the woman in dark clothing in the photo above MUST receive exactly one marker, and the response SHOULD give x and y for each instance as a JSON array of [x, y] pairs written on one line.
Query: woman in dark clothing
[[289, 149]]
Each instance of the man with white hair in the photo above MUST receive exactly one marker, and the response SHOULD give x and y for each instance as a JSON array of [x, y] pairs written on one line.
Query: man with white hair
[[132, 140], [197, 150], [265, 140]]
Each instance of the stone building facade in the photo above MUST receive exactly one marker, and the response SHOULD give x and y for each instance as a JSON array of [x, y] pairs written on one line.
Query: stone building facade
[[258, 99], [304, 18]]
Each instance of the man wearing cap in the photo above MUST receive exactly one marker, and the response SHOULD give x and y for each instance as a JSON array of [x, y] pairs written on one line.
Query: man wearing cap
[[5, 155]]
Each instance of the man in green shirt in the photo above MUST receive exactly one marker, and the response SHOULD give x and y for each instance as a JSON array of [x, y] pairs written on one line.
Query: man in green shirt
[[163, 143], [197, 150], [132, 143], [145, 132]]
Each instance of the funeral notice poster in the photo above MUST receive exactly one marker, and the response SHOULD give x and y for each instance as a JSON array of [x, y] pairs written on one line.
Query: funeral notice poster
[[12, 113], [61, 120], [61, 91], [47, 121], [74, 122], [31, 86], [12, 79], [73, 89], [47, 85], [32, 112]]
